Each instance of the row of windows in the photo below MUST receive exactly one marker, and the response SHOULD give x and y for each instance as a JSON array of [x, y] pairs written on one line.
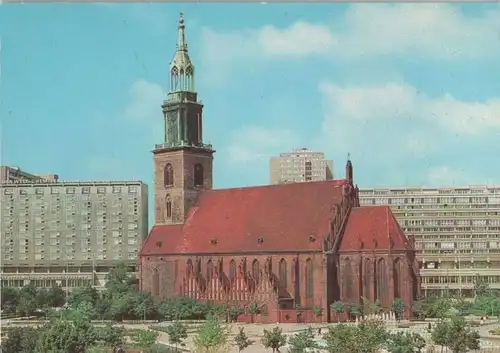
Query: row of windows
[[132, 189], [430, 191], [255, 274]]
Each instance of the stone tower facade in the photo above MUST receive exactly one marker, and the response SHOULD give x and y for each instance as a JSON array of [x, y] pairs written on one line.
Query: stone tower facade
[[182, 163]]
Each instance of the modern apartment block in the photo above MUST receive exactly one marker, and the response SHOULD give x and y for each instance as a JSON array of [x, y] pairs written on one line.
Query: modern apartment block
[[69, 233], [300, 165], [457, 231], [15, 174]]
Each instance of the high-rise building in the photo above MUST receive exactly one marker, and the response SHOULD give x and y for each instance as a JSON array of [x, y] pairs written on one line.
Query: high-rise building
[[457, 233], [69, 233], [15, 174], [300, 165]]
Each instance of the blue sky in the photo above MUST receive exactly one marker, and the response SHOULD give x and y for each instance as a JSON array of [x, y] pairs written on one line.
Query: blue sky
[[411, 91]]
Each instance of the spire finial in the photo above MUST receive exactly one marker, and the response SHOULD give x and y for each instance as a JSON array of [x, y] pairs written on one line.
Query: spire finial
[[181, 38], [181, 68], [348, 156]]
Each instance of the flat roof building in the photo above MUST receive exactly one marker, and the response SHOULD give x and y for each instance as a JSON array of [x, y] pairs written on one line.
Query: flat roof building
[[70, 233], [300, 165], [457, 233]]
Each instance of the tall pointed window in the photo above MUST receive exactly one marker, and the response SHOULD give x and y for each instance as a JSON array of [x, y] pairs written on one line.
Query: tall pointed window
[[198, 175], [367, 279], [347, 280], [156, 283], [232, 270], [309, 279], [398, 269], [255, 270], [210, 270], [168, 175], [189, 268], [282, 272], [168, 207], [382, 281]]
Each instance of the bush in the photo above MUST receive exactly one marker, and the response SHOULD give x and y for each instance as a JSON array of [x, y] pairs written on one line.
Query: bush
[[495, 331]]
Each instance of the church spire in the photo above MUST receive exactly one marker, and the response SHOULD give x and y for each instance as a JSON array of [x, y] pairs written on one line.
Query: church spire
[[181, 67]]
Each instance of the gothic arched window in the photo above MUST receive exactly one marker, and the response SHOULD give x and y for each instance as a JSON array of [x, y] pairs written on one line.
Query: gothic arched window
[[309, 279], [255, 270], [382, 281], [168, 175], [156, 283], [210, 269], [168, 206], [282, 272], [189, 268], [198, 175], [232, 270], [367, 278], [347, 280], [398, 271]]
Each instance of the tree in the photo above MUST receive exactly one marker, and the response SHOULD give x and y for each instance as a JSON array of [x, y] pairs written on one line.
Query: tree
[[456, 335], [302, 341], [274, 339], [20, 340], [481, 287], [176, 333], [371, 335], [377, 307], [55, 297], [120, 280], [82, 294], [341, 338], [112, 336], [145, 339], [211, 336], [253, 310], [405, 343], [63, 336], [143, 305], [9, 298], [337, 309], [398, 307], [241, 339]]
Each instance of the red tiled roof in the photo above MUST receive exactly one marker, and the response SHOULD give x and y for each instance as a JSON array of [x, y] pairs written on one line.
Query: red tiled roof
[[373, 222], [283, 216]]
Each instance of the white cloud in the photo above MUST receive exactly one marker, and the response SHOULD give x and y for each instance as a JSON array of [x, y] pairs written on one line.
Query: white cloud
[[144, 100], [440, 31], [398, 101], [393, 128], [447, 176], [257, 144]]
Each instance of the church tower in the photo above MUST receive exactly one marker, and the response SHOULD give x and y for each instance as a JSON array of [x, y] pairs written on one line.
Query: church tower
[[182, 163]]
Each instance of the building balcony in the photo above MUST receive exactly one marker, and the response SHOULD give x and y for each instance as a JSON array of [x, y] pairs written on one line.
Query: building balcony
[[180, 144], [429, 272]]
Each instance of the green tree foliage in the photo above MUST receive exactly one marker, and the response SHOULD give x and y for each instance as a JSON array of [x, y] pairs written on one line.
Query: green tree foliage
[[9, 299], [21, 340], [398, 307], [211, 336], [456, 335], [432, 307], [241, 339], [302, 341], [481, 288], [336, 307], [83, 294], [62, 336], [145, 339], [112, 336], [177, 332], [274, 339], [405, 342], [367, 337]]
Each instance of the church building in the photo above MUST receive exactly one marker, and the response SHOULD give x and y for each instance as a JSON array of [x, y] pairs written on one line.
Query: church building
[[276, 248]]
